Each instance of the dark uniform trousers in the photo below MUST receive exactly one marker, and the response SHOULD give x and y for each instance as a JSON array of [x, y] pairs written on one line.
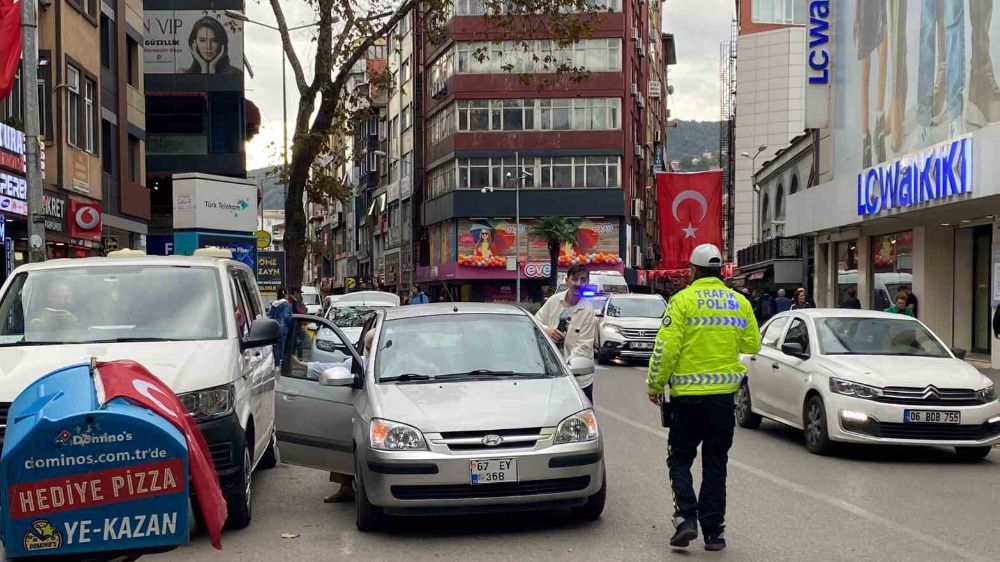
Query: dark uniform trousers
[[710, 422]]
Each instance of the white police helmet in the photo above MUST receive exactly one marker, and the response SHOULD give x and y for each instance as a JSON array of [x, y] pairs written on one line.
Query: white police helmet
[[706, 255]]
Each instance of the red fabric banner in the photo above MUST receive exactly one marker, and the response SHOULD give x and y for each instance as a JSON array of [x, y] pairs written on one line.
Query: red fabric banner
[[133, 382], [690, 213], [10, 44]]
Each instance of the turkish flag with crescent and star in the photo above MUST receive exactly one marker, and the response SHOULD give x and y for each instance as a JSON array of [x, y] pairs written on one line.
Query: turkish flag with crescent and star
[[133, 382], [690, 213], [10, 44]]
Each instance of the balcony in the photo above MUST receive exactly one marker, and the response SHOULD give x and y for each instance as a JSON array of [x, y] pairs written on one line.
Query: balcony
[[774, 249]]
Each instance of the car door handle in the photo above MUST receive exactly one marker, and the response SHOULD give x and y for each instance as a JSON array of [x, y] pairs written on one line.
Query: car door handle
[[775, 366], [754, 359]]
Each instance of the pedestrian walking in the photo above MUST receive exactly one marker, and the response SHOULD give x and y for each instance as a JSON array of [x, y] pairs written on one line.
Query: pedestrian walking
[[781, 302], [570, 322], [852, 299], [767, 307], [911, 300], [417, 295], [900, 306], [281, 312], [697, 356], [800, 300]]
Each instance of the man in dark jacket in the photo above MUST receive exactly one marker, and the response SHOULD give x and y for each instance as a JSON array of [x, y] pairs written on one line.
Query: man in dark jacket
[[782, 303]]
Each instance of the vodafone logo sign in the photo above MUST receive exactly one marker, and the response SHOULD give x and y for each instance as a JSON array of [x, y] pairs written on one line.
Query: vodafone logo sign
[[85, 221], [87, 217]]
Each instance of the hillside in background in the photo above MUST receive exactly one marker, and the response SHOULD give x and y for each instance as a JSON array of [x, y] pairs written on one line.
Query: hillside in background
[[688, 142]]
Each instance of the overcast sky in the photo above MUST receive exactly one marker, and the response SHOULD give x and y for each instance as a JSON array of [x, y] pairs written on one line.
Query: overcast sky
[[699, 26]]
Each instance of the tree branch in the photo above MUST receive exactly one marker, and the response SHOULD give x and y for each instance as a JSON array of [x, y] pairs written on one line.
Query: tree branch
[[324, 44], [286, 44], [358, 52]]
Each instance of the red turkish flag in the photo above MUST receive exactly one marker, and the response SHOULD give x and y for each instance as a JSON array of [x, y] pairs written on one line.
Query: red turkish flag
[[10, 44], [690, 213], [133, 382]]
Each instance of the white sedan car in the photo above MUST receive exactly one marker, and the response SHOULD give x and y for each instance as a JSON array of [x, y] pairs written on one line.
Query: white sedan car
[[867, 377]]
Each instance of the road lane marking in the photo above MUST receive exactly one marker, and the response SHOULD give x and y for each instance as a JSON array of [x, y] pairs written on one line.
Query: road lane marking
[[818, 496]]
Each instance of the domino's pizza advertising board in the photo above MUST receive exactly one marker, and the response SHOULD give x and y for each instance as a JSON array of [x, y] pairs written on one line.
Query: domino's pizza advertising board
[[81, 477]]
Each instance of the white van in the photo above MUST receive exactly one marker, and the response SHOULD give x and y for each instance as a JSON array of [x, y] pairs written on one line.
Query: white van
[[886, 285], [195, 322], [606, 282], [310, 298]]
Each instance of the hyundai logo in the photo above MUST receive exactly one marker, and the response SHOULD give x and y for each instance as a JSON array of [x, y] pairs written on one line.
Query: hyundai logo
[[492, 440]]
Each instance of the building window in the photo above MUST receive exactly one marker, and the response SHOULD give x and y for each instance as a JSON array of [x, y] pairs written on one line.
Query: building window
[[780, 11], [73, 108], [442, 125], [404, 72], [765, 218], [90, 116], [892, 264], [133, 63], [134, 159], [779, 211], [540, 56], [406, 117], [403, 27], [44, 89], [442, 69], [107, 43], [479, 7], [110, 144], [586, 114], [12, 108], [794, 186]]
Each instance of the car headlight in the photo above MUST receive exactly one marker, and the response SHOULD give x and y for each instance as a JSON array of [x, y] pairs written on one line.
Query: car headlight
[[211, 403], [580, 427], [613, 328], [388, 435], [987, 394], [857, 390]]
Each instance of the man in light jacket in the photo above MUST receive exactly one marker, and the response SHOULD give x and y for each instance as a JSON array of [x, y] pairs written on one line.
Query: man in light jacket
[[570, 322]]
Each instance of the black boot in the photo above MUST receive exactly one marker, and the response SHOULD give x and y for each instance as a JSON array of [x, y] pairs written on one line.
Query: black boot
[[715, 542], [686, 532]]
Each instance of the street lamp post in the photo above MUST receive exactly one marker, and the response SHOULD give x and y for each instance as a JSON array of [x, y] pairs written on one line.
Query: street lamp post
[[522, 175], [756, 188]]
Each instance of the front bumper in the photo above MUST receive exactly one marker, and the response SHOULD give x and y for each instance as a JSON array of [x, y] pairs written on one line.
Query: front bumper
[[437, 481], [613, 344], [867, 421], [225, 438]]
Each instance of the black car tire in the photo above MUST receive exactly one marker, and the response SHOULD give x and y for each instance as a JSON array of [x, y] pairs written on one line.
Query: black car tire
[[816, 435], [367, 517], [744, 414], [973, 453], [603, 358], [270, 458], [240, 504], [591, 511]]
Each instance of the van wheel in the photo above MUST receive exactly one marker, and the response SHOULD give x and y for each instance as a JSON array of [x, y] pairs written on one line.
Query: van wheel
[[591, 511], [367, 517], [239, 504], [271, 457]]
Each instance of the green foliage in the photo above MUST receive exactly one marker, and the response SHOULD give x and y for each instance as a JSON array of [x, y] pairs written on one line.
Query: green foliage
[[692, 138]]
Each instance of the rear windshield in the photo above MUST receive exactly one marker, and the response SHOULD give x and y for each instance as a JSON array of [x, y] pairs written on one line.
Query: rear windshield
[[109, 304]]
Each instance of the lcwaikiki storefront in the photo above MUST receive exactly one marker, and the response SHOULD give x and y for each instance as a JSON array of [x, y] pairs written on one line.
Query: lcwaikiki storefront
[[474, 259], [909, 190]]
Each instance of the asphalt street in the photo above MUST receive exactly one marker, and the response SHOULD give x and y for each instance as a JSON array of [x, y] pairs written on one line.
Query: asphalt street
[[866, 503]]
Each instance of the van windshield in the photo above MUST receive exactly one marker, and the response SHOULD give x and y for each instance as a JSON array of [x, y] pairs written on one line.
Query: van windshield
[[112, 304]]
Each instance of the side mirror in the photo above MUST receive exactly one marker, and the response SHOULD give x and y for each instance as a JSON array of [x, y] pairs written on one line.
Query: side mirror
[[581, 366], [793, 349], [336, 376], [960, 353], [263, 332]]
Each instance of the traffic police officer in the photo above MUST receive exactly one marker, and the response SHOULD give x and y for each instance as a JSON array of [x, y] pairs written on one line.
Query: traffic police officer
[[705, 328]]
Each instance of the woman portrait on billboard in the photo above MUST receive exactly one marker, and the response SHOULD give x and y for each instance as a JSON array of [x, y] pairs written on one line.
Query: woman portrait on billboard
[[209, 44]]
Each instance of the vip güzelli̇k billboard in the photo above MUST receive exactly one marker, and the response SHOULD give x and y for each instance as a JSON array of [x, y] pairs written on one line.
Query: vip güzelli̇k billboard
[[192, 42]]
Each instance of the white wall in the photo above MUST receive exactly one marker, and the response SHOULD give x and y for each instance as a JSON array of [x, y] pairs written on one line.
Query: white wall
[[770, 75]]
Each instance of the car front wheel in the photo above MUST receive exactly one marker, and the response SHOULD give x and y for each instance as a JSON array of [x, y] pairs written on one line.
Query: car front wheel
[[368, 517], [591, 511], [817, 437], [744, 414]]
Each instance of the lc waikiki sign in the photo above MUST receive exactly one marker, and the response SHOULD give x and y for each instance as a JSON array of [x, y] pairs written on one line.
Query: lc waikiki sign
[[819, 60], [939, 172]]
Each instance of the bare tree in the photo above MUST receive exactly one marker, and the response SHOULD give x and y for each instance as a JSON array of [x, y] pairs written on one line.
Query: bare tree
[[346, 29]]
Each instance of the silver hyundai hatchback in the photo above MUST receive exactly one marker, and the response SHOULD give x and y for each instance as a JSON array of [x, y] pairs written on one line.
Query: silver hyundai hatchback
[[449, 408]]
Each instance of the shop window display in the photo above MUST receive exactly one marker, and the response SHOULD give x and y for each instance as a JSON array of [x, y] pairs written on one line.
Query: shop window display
[[892, 267]]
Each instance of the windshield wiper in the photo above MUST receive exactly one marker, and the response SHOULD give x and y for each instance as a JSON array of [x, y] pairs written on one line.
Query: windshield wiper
[[490, 373], [409, 377], [126, 340]]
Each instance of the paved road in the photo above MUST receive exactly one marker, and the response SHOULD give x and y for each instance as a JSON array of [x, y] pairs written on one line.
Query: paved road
[[784, 504]]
